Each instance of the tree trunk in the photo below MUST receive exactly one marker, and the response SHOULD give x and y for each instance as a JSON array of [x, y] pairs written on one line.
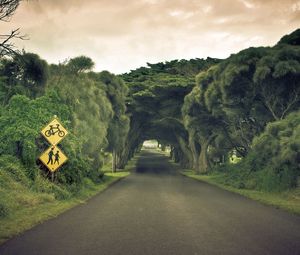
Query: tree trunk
[[195, 152], [114, 161], [122, 162], [131, 142], [172, 153], [204, 164], [176, 155], [187, 155]]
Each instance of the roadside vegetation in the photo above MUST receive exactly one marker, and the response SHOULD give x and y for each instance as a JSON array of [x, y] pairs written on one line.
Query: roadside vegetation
[[90, 105], [25, 202]]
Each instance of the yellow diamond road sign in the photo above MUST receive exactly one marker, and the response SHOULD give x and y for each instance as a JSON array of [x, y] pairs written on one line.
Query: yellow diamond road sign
[[54, 132], [53, 158]]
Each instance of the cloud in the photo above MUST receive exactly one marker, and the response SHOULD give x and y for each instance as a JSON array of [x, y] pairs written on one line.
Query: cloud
[[121, 36]]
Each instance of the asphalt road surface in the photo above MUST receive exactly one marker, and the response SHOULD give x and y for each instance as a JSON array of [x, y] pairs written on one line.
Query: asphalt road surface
[[157, 211]]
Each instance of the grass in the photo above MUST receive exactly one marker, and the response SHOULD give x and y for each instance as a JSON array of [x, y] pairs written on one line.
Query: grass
[[288, 200], [22, 206]]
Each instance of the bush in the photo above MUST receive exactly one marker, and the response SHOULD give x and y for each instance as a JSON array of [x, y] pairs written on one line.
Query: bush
[[277, 180], [4, 211], [96, 176], [275, 155], [60, 193], [12, 170], [43, 185]]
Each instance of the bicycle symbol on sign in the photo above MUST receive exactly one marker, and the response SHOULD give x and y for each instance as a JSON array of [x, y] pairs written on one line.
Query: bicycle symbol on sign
[[54, 130]]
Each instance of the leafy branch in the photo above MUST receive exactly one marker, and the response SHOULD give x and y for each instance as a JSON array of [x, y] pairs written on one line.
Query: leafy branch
[[7, 47], [7, 8]]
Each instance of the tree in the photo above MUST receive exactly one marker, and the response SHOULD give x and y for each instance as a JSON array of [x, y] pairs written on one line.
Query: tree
[[202, 126], [80, 64], [91, 111], [7, 9], [234, 100], [277, 78], [24, 74], [156, 95], [292, 39], [274, 160], [118, 128]]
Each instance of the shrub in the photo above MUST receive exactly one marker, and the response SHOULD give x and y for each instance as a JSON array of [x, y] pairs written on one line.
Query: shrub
[[13, 170], [275, 155], [43, 185], [60, 193], [4, 211]]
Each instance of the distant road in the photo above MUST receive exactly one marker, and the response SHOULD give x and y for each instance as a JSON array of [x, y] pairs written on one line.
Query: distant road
[[157, 211]]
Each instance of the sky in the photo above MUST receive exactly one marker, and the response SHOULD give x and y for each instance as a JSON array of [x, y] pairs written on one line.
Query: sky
[[122, 35]]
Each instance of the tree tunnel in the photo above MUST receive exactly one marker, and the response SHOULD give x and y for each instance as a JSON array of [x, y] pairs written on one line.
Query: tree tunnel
[[155, 101], [205, 119]]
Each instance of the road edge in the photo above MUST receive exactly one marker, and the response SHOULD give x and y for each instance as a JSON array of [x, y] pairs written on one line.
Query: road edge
[[254, 195], [58, 208]]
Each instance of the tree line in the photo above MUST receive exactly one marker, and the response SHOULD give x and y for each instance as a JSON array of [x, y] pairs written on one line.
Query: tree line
[[246, 106], [91, 105], [207, 110]]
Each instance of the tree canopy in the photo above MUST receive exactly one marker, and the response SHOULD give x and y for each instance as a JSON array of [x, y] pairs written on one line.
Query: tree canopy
[[206, 110], [156, 95]]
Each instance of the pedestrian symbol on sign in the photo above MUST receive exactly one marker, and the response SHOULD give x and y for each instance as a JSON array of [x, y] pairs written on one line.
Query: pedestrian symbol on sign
[[56, 156], [50, 154], [53, 158]]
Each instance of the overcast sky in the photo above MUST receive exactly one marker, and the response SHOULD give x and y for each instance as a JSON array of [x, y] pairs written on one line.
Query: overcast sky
[[120, 35]]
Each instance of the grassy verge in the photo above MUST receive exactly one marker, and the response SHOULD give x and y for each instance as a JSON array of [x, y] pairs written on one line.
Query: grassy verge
[[288, 200], [27, 207]]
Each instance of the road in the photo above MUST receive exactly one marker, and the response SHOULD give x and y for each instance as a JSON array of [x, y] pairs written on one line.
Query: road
[[157, 211]]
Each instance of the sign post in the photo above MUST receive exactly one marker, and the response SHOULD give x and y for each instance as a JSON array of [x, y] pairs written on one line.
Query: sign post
[[53, 157]]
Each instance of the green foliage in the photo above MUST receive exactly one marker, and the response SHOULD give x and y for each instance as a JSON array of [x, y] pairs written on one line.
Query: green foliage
[[187, 68], [272, 164], [119, 125], [21, 123], [276, 79], [234, 100], [4, 211], [292, 39], [18, 191], [27, 104], [25, 74], [156, 95], [12, 171], [228, 109], [42, 185], [80, 64], [281, 141], [91, 113], [90, 105], [238, 97], [13, 180]]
